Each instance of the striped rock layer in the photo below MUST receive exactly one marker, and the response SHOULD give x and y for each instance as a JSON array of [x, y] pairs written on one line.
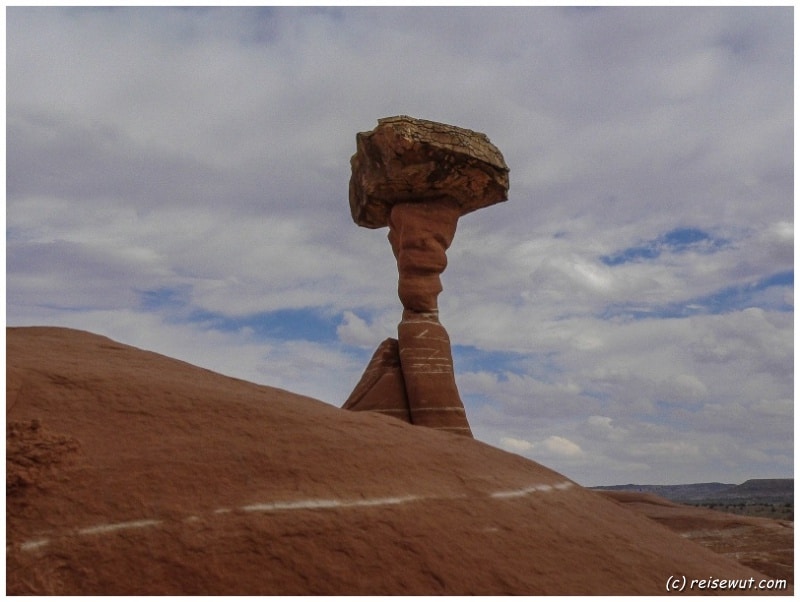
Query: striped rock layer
[[412, 379]]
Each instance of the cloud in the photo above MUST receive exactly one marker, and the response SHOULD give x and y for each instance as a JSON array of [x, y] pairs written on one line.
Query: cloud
[[177, 179], [552, 446], [354, 330], [518, 445], [561, 446], [702, 380]]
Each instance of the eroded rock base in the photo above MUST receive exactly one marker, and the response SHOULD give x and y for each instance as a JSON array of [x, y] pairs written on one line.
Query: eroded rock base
[[427, 364], [411, 378], [382, 388]]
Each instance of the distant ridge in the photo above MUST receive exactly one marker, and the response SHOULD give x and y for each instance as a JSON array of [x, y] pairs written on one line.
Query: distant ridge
[[780, 488], [753, 490]]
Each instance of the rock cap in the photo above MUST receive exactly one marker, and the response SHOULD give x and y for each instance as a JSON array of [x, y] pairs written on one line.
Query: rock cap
[[405, 159]]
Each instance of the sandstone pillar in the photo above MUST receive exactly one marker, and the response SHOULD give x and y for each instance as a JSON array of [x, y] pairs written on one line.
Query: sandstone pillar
[[418, 177]]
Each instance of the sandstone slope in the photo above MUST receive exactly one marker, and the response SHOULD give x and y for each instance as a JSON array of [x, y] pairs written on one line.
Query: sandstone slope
[[764, 544], [133, 473]]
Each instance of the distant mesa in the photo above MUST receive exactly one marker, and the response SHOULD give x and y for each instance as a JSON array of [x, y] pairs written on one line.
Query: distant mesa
[[753, 490], [418, 177]]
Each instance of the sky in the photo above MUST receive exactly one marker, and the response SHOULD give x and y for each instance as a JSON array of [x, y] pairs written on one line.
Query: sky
[[177, 180]]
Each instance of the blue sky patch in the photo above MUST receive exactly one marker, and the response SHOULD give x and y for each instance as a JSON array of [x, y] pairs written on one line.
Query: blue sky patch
[[679, 240], [467, 358], [164, 298], [310, 324], [316, 324], [542, 366]]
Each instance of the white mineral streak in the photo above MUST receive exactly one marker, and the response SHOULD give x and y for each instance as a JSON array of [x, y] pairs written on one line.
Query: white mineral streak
[[33, 545]]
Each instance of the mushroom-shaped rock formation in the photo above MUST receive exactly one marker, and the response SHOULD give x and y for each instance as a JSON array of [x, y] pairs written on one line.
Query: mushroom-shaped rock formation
[[413, 160], [418, 177]]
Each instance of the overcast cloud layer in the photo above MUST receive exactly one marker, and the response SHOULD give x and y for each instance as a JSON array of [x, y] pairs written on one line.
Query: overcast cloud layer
[[177, 180]]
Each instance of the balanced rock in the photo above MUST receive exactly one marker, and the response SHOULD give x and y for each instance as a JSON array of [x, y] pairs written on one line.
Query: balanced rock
[[418, 177], [408, 159]]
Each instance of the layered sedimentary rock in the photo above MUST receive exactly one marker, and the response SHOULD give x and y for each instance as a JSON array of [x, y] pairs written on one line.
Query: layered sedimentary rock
[[418, 177], [382, 388], [428, 373]]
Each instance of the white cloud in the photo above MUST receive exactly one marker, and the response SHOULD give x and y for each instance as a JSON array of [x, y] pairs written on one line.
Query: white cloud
[[603, 428], [516, 445], [355, 331], [550, 447], [561, 446]]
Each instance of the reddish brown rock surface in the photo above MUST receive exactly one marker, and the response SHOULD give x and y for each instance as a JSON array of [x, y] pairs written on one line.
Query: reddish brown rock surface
[[418, 177], [158, 477], [763, 544]]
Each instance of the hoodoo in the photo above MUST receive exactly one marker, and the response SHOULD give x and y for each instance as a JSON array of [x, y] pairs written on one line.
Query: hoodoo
[[418, 177]]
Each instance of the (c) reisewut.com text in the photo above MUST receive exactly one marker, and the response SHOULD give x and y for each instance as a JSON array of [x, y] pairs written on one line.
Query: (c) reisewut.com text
[[679, 583]]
